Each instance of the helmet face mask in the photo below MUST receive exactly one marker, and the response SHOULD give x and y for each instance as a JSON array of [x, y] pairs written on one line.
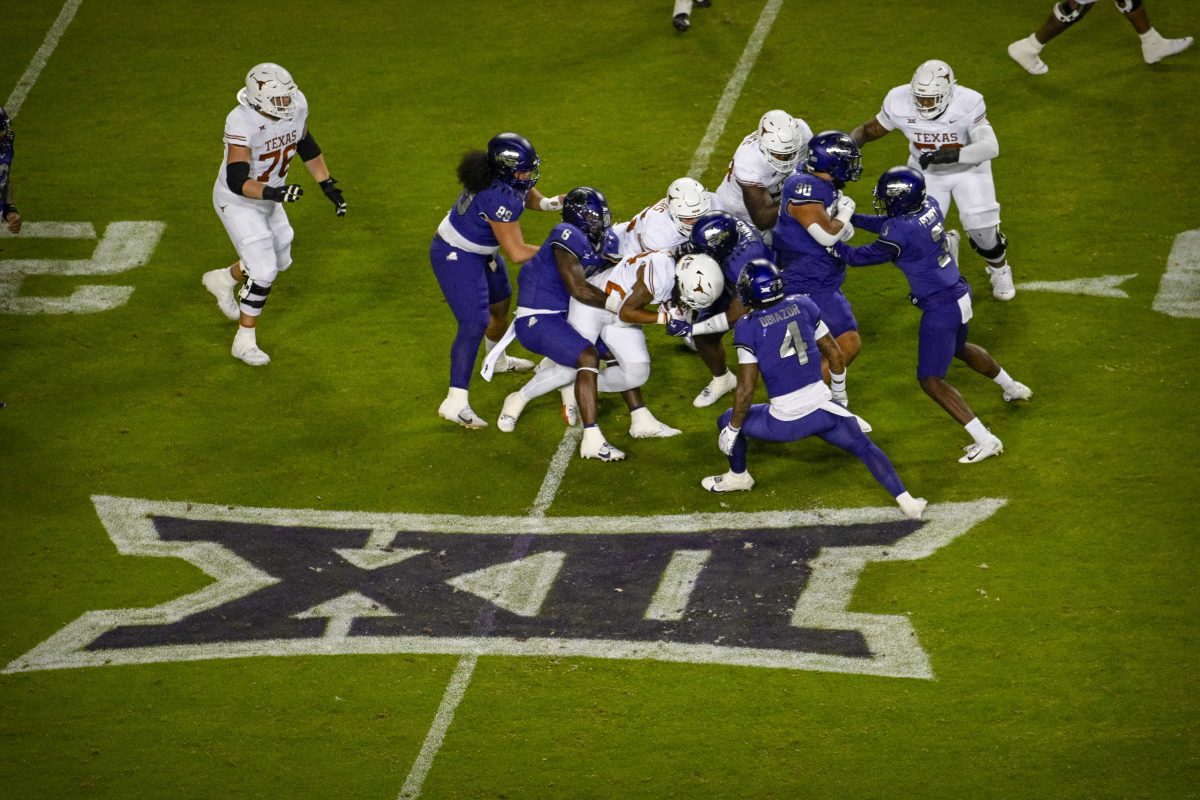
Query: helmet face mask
[[715, 234], [686, 200], [836, 154], [513, 160], [587, 209], [270, 90], [760, 284], [699, 280], [779, 140], [932, 88], [899, 190]]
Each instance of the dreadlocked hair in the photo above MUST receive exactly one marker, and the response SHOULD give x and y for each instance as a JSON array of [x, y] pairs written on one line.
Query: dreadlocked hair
[[474, 172]]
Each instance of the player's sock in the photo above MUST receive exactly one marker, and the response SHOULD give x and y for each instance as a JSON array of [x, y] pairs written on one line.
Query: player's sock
[[1004, 380], [977, 430]]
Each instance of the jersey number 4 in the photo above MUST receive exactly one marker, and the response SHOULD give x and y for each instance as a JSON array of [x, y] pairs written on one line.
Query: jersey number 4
[[793, 344]]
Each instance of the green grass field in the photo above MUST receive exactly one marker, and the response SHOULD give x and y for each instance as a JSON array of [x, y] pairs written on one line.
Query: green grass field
[[1060, 631]]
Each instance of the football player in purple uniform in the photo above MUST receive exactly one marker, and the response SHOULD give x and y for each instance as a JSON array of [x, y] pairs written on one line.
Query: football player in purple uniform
[[912, 234], [783, 337], [733, 244], [498, 185], [8, 212], [547, 282], [814, 214]]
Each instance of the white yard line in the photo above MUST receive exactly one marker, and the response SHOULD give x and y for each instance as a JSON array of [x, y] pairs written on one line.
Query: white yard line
[[570, 441], [17, 98]]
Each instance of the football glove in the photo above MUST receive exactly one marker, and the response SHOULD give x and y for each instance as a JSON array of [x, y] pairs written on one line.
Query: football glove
[[727, 438], [329, 187], [946, 155], [679, 327], [283, 194]]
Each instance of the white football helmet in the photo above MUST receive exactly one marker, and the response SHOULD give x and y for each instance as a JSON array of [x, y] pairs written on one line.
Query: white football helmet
[[700, 280], [686, 200], [933, 80], [779, 139], [270, 90]]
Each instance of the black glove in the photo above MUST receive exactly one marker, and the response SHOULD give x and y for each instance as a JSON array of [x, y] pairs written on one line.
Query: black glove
[[946, 155], [283, 194], [328, 186]]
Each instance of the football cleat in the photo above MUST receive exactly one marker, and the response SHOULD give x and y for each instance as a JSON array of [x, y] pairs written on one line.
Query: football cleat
[[729, 482], [249, 353], [1002, 282], [913, 507], [514, 404], [681, 22], [222, 290], [1025, 53], [978, 451], [717, 388], [507, 363], [1018, 391], [1159, 48], [602, 451], [461, 414], [652, 429]]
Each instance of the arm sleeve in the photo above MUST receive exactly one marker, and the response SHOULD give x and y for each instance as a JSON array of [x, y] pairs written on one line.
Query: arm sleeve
[[236, 174], [880, 251], [983, 147], [823, 238]]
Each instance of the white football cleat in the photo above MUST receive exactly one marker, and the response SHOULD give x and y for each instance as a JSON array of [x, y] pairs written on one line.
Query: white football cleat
[[913, 507], [652, 429], [717, 388], [220, 288], [602, 451], [249, 353], [978, 451], [1019, 391], [1002, 282], [507, 363], [570, 410], [1159, 48], [1025, 53], [729, 482], [461, 414], [514, 404]]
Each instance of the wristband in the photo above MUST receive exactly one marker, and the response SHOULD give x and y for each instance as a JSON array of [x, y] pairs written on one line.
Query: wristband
[[837, 380], [550, 204], [662, 317], [715, 324]]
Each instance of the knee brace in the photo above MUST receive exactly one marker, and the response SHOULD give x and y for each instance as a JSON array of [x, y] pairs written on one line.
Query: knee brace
[[1069, 16], [253, 297], [993, 246], [1128, 6]]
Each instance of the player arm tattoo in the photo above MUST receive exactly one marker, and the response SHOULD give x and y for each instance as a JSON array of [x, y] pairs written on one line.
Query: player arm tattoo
[[743, 393], [571, 273], [832, 353], [869, 131]]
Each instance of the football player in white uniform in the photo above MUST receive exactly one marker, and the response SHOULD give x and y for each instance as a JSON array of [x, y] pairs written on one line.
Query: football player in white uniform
[[639, 281], [951, 141], [268, 126], [666, 224], [754, 179], [1028, 51]]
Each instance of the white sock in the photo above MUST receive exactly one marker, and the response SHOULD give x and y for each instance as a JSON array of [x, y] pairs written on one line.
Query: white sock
[[458, 395], [641, 414], [593, 435], [1150, 36], [247, 335], [978, 432], [1004, 380], [1033, 40]]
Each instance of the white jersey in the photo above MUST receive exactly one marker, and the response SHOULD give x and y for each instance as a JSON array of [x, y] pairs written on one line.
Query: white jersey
[[652, 229], [750, 167], [658, 273], [951, 129], [272, 143]]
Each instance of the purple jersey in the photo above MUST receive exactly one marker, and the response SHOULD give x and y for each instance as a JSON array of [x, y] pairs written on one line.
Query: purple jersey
[[749, 247], [917, 243], [783, 339], [539, 283], [472, 213], [805, 263]]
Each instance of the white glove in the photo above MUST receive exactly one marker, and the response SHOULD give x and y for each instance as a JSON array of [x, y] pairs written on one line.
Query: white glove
[[837, 385], [727, 438], [614, 302], [551, 203], [847, 232], [839, 397], [845, 208]]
